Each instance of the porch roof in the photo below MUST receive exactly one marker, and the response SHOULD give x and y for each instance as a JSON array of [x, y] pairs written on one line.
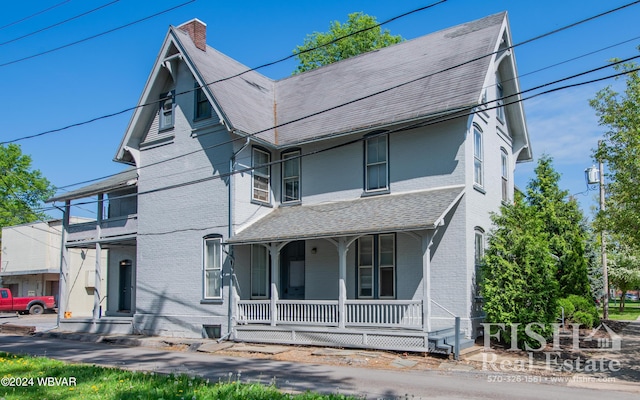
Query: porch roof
[[385, 213], [120, 180]]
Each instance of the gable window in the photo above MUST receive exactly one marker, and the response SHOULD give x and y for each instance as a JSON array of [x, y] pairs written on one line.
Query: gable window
[[167, 108], [504, 173], [376, 163], [477, 156], [291, 176], [259, 272], [376, 267], [261, 175], [499, 100], [212, 268], [202, 106]]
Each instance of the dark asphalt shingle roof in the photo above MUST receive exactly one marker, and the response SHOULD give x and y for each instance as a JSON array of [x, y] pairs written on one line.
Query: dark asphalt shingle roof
[[418, 77], [368, 215]]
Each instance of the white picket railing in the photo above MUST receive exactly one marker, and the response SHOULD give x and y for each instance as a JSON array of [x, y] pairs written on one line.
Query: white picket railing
[[370, 313], [317, 312], [392, 313], [254, 311]]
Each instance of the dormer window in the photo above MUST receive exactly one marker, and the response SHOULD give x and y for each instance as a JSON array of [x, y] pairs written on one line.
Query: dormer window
[[167, 105], [202, 106]]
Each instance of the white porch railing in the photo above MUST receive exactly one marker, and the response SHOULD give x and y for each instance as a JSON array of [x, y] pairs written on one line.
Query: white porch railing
[[364, 313], [317, 312], [394, 313]]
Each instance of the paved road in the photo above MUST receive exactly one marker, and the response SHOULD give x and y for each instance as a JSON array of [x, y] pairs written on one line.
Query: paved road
[[40, 322], [376, 384]]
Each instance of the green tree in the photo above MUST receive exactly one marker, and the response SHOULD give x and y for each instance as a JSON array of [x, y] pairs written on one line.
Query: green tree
[[562, 221], [624, 270], [322, 48], [22, 189], [619, 113], [519, 284]]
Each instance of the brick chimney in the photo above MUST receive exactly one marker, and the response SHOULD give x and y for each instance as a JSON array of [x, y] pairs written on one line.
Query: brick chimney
[[197, 31]]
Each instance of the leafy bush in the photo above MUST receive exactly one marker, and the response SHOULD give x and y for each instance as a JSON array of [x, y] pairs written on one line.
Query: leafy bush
[[579, 309], [584, 319], [568, 307]]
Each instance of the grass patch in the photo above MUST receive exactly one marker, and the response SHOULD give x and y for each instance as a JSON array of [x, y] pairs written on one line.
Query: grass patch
[[43, 378], [631, 310]]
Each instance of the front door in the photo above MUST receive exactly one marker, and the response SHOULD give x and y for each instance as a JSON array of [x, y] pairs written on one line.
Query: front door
[[124, 289], [292, 271]]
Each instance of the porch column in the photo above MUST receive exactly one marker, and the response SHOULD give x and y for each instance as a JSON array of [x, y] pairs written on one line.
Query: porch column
[[62, 282], [98, 272], [427, 240], [342, 277], [274, 251]]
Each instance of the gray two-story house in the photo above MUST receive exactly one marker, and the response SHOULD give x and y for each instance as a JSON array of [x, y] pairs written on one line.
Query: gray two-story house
[[343, 206]]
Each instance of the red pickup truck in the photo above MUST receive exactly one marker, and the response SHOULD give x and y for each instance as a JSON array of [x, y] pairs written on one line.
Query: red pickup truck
[[34, 305]]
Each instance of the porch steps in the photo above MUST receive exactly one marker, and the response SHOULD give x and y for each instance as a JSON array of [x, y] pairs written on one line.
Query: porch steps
[[443, 341]]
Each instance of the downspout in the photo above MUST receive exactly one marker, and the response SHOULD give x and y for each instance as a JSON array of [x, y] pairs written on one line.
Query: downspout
[[232, 163]]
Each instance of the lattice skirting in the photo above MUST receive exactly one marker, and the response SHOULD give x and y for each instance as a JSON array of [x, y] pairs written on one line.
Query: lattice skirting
[[391, 340]]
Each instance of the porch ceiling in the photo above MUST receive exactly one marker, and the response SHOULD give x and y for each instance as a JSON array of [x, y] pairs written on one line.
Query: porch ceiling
[[384, 213]]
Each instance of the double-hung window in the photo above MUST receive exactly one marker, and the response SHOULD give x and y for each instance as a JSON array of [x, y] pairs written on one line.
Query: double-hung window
[[499, 100], [291, 176], [259, 272], [261, 175], [202, 106], [376, 163], [477, 156], [212, 268], [504, 173], [167, 110], [376, 267]]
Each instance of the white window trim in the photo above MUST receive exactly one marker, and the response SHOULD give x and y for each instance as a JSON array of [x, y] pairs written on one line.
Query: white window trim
[[478, 157], [368, 266], [166, 96], [255, 174], [206, 268], [380, 266], [385, 163], [499, 101], [200, 90], [504, 174], [286, 158], [266, 279]]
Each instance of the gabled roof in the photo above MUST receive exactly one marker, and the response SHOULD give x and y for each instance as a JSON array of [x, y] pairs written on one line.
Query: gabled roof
[[408, 81], [378, 214]]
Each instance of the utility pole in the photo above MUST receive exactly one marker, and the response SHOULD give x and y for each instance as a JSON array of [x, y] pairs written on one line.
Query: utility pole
[[605, 274]]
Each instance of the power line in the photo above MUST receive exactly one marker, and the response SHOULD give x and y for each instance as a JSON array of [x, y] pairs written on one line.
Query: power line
[[34, 15], [155, 102], [357, 99], [59, 23], [96, 35], [454, 114]]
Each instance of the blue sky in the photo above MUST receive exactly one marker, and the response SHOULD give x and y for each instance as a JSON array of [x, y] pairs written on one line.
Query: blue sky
[[107, 74]]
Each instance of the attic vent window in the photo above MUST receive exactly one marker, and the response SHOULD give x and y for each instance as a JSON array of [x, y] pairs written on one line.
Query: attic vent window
[[202, 106], [167, 106]]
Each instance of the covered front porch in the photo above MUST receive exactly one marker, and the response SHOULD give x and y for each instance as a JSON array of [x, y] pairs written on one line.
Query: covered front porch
[[345, 280]]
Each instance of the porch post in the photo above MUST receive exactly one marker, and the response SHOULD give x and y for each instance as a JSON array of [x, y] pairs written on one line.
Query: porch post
[[98, 272], [62, 281], [274, 251], [427, 239], [342, 287]]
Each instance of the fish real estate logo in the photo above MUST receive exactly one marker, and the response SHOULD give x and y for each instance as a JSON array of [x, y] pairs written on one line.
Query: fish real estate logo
[[599, 340]]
